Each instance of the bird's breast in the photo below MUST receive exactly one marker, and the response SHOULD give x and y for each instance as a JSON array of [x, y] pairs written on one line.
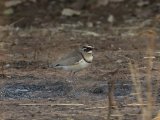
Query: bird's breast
[[87, 57], [78, 66]]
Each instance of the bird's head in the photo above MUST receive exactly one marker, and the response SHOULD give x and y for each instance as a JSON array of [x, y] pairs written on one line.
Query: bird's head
[[87, 48]]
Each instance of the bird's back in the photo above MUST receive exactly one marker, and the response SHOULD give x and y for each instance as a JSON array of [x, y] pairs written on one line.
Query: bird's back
[[69, 59]]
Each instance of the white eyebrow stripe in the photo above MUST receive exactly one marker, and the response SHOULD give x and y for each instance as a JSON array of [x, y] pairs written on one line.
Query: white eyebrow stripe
[[88, 46]]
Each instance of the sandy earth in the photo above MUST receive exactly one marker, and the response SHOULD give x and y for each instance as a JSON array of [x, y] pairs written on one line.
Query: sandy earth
[[30, 89]]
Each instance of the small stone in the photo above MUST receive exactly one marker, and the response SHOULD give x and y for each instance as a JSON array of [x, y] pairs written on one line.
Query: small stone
[[7, 65], [70, 12], [34, 1], [142, 3], [117, 0], [119, 61], [102, 2], [79, 23], [112, 45], [98, 22], [91, 33], [12, 3], [8, 11], [111, 18], [90, 24]]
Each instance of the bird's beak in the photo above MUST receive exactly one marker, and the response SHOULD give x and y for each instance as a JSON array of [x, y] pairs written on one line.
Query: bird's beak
[[94, 48]]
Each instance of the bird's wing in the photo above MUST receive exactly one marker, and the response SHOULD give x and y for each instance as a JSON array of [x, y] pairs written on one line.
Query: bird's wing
[[69, 59]]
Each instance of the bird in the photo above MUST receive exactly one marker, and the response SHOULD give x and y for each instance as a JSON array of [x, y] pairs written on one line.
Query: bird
[[76, 60]]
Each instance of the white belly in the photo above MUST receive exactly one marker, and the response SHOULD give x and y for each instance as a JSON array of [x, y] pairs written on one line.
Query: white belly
[[81, 65]]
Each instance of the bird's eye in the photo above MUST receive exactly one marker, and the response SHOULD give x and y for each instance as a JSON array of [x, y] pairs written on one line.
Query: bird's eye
[[87, 49]]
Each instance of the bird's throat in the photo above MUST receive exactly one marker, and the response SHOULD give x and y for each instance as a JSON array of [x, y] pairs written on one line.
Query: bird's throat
[[87, 58]]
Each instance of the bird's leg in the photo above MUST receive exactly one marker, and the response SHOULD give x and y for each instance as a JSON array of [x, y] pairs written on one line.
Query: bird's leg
[[74, 78], [69, 79], [71, 76]]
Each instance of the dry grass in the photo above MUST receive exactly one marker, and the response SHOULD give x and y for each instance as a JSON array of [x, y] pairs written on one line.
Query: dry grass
[[146, 100], [148, 109]]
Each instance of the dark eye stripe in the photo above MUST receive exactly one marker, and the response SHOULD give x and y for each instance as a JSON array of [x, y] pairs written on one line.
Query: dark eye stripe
[[87, 49]]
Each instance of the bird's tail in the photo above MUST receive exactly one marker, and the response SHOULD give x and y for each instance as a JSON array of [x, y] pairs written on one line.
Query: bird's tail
[[55, 65]]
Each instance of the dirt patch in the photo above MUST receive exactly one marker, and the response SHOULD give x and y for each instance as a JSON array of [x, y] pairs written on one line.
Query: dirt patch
[[28, 85], [40, 91]]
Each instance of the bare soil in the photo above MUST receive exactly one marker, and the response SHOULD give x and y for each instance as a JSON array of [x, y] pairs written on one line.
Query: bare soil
[[30, 89]]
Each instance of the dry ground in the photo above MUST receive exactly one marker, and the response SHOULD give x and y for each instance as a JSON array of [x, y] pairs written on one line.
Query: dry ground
[[29, 89]]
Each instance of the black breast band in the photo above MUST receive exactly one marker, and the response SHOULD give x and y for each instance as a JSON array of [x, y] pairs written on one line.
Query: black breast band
[[85, 59]]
